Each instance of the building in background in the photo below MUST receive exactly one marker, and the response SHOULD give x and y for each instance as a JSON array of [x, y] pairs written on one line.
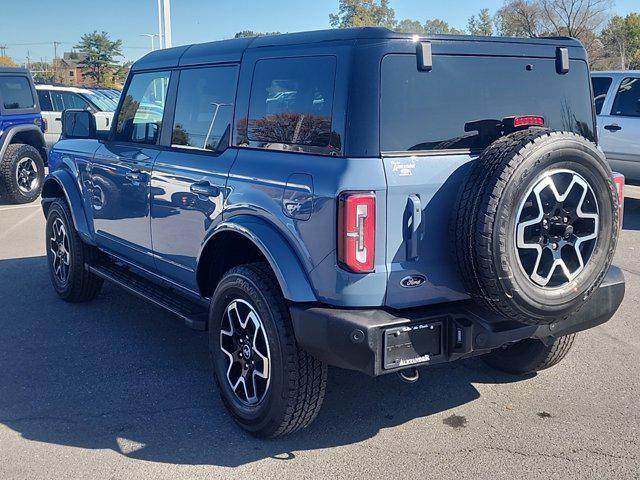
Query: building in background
[[68, 70]]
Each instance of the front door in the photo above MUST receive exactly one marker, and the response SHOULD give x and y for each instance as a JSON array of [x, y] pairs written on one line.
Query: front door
[[120, 174], [189, 177]]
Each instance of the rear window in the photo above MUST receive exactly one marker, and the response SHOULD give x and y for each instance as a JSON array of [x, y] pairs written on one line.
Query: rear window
[[600, 88], [292, 101], [15, 93], [456, 105]]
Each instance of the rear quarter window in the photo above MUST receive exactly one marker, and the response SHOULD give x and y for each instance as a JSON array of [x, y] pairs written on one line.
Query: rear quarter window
[[291, 104], [433, 110], [15, 93], [600, 88]]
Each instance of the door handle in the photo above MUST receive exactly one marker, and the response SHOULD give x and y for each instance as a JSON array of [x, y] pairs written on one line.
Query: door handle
[[415, 215], [135, 176], [205, 189], [613, 127]]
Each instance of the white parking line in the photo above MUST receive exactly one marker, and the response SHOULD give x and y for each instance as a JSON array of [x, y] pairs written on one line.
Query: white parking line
[[18, 224], [16, 207]]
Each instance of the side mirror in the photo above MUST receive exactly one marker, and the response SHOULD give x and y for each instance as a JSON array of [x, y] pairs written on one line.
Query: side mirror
[[78, 124]]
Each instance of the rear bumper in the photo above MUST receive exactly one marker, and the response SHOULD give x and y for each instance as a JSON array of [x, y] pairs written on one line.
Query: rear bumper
[[354, 338]]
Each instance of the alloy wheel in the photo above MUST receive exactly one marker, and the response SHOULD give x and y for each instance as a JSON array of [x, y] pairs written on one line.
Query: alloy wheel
[[59, 251], [556, 228], [243, 340], [27, 175]]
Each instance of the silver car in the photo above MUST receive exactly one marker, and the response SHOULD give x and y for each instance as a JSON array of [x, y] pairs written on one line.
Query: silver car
[[617, 98]]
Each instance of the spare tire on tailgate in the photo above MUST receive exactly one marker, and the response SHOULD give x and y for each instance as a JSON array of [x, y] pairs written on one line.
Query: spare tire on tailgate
[[536, 225]]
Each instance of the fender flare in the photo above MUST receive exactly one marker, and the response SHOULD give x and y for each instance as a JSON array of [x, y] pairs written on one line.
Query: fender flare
[[8, 134], [61, 180], [282, 259]]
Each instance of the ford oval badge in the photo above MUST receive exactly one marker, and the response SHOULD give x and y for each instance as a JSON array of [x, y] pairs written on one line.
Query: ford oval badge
[[413, 281]]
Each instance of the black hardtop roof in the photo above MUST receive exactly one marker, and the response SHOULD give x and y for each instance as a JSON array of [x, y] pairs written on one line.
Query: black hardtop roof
[[232, 50], [14, 70]]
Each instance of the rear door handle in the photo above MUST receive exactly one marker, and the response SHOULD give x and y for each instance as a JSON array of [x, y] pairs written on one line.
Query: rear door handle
[[205, 189], [613, 127]]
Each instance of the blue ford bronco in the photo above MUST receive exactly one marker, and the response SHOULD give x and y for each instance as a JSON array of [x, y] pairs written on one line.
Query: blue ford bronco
[[358, 198], [22, 146]]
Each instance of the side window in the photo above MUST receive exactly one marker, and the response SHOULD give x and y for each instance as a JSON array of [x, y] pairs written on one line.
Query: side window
[[64, 100], [600, 88], [291, 102], [627, 102], [204, 108], [45, 101], [15, 93], [140, 117]]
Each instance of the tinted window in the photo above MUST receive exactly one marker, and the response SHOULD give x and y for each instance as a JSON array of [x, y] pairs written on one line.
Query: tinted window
[[204, 108], [140, 116], [292, 101], [459, 104], [45, 101], [15, 93], [627, 102], [63, 100], [600, 88]]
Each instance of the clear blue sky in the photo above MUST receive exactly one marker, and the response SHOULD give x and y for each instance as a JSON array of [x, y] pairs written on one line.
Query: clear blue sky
[[39, 22]]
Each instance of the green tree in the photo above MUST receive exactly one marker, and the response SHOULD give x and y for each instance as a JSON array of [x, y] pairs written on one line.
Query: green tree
[[100, 54], [621, 41], [363, 13], [481, 24], [251, 33], [410, 26], [436, 26]]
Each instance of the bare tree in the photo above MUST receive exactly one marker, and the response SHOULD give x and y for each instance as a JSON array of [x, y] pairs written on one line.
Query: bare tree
[[520, 18]]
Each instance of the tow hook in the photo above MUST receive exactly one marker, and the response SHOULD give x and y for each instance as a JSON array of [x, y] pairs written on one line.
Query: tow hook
[[409, 375]]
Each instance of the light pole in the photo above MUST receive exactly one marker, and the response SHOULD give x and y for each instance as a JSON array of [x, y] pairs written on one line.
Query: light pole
[[151, 36], [160, 35], [167, 23]]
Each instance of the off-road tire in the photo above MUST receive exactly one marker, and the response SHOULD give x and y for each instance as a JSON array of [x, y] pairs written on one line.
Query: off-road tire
[[530, 355], [9, 189], [81, 285], [298, 380], [483, 223]]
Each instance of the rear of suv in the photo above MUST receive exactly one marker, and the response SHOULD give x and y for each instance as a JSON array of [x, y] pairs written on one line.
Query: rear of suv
[[358, 198], [22, 146]]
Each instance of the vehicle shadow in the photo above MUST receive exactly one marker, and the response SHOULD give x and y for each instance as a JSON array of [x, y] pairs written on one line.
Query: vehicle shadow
[[631, 214], [119, 374]]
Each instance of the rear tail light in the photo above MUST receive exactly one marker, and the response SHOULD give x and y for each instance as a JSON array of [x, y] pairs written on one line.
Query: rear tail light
[[619, 179], [357, 231], [528, 121], [510, 124]]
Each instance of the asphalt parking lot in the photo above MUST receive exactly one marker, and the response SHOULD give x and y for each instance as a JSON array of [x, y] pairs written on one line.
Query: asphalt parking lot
[[117, 389]]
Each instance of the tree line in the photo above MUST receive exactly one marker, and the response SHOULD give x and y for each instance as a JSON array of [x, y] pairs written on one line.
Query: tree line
[[612, 41]]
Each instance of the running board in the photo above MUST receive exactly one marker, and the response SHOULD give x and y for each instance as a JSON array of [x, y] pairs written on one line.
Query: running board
[[194, 314]]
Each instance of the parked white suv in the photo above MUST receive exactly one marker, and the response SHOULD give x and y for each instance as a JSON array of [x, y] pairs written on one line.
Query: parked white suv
[[617, 98], [54, 100]]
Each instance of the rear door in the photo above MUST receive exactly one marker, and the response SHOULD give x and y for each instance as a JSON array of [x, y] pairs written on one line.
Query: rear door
[[428, 145], [189, 176], [619, 127]]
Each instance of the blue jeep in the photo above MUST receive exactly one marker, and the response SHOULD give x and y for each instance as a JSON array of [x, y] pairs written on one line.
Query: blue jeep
[[359, 198], [22, 147]]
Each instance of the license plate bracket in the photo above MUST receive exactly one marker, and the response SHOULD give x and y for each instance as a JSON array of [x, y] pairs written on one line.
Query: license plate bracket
[[412, 344]]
